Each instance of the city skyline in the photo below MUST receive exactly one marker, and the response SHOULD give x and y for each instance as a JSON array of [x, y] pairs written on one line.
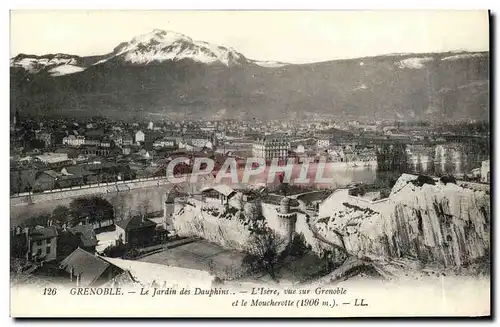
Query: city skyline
[[287, 36]]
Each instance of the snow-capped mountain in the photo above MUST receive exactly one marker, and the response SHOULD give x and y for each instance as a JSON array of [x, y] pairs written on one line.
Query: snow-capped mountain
[[161, 71], [269, 63], [414, 63], [160, 46], [57, 64]]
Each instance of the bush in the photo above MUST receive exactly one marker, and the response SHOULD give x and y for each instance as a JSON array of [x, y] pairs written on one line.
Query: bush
[[131, 253], [298, 246], [448, 179], [422, 179], [115, 251]]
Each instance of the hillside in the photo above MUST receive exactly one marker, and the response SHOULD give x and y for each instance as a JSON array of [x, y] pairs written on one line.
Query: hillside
[[167, 74]]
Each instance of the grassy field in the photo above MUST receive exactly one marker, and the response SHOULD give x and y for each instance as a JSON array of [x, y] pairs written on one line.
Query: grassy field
[[200, 255]]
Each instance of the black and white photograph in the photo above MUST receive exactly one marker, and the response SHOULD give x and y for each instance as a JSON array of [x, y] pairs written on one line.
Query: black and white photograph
[[250, 163]]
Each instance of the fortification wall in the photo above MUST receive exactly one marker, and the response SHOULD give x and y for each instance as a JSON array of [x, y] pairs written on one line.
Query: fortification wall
[[125, 197]]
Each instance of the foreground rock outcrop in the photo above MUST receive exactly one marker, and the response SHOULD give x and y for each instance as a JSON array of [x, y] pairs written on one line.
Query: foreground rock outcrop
[[422, 219]]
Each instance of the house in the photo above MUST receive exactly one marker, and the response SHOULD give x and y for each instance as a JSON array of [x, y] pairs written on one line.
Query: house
[[336, 154], [136, 230], [126, 150], [46, 180], [92, 142], [164, 143], [81, 236], [201, 142], [80, 174], [44, 137], [127, 140], [117, 139], [42, 243], [105, 143], [52, 159], [73, 140], [89, 270], [139, 136], [323, 143], [219, 193], [96, 151]]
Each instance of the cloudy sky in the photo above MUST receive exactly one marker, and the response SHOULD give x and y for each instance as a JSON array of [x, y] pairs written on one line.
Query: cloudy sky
[[289, 36]]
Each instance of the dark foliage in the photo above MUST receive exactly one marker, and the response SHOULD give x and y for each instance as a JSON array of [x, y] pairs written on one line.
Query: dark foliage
[[298, 245], [95, 208], [264, 250], [61, 213], [448, 179], [422, 179], [40, 219], [18, 246]]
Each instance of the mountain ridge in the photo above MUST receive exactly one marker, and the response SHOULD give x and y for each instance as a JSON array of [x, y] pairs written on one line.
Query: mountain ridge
[[172, 75]]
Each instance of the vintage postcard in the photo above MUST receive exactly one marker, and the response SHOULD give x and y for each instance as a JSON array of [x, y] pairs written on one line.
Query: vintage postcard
[[250, 164]]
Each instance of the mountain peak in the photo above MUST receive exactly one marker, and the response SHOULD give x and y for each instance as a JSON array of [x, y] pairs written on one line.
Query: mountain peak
[[160, 45], [160, 36]]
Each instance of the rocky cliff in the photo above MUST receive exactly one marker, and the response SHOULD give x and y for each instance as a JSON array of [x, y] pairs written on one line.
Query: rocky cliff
[[426, 220]]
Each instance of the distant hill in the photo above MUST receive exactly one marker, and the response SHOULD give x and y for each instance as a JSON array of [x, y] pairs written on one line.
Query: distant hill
[[167, 74]]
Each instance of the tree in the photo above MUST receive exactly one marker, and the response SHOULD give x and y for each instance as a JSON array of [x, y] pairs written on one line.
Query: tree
[[18, 246], [40, 219], [95, 208], [144, 207], [120, 207], [61, 213], [264, 248], [298, 245]]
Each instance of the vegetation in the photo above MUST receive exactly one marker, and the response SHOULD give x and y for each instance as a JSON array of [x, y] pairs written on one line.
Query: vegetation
[[448, 179], [121, 250], [95, 208], [61, 214], [298, 246], [422, 179], [264, 248]]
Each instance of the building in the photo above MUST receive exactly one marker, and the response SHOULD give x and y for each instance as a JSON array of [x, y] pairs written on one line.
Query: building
[[164, 143], [271, 148], [287, 217], [88, 270], [140, 136], [150, 125], [300, 149], [127, 140], [485, 171], [52, 158], [200, 142], [96, 151], [42, 243], [73, 140], [46, 180], [220, 194], [117, 140], [323, 143], [92, 142], [44, 137], [136, 230], [81, 236]]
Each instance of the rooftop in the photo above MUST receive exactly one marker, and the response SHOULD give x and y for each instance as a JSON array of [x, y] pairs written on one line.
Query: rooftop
[[86, 234], [135, 223], [221, 188], [41, 233], [88, 266]]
